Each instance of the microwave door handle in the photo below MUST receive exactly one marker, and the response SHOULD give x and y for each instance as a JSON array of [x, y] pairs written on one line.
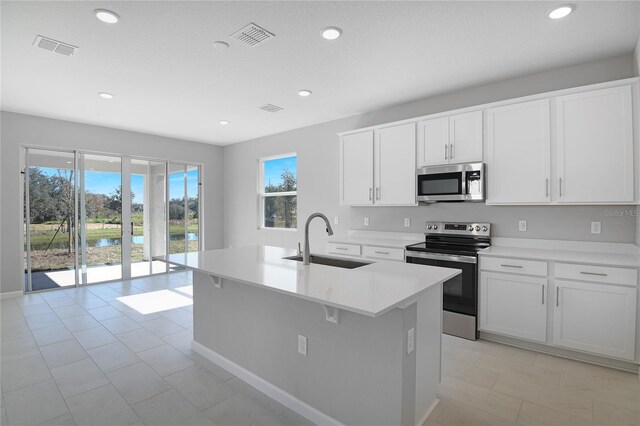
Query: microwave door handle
[[464, 185]]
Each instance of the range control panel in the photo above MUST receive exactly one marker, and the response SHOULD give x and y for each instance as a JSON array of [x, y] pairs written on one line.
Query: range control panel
[[458, 228]]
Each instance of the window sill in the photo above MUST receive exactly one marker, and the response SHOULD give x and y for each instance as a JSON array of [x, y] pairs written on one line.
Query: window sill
[[264, 228]]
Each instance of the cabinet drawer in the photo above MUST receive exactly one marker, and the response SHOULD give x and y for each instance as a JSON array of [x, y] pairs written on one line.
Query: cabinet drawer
[[349, 249], [514, 266], [602, 274], [383, 253]]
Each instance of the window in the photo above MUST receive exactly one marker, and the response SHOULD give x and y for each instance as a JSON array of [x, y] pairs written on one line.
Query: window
[[278, 192]]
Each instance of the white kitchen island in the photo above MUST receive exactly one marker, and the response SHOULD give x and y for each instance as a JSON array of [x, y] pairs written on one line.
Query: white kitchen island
[[373, 333]]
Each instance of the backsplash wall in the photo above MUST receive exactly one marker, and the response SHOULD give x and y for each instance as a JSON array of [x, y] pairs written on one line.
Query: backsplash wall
[[543, 222]]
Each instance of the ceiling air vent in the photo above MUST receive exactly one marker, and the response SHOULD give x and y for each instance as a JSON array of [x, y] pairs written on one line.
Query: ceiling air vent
[[54, 46], [252, 35], [270, 108]]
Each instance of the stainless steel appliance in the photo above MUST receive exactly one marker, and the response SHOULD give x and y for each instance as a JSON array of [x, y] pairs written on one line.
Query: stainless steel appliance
[[454, 182], [455, 245]]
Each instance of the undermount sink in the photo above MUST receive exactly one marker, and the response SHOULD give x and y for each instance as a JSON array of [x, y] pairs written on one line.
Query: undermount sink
[[330, 261]]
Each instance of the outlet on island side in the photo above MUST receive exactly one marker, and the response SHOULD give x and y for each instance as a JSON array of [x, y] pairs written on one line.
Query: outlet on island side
[[522, 225], [596, 227], [366, 221], [302, 345], [407, 222]]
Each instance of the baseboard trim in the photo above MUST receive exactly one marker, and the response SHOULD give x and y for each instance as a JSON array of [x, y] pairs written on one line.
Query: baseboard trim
[[10, 294], [283, 397], [428, 413]]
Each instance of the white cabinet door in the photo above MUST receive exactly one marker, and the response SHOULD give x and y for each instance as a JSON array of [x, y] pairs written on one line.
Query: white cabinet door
[[395, 165], [513, 305], [465, 137], [594, 134], [518, 153], [356, 169], [433, 142], [596, 318]]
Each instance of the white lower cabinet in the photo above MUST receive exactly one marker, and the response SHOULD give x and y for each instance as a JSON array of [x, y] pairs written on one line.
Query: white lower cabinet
[[514, 305], [596, 318]]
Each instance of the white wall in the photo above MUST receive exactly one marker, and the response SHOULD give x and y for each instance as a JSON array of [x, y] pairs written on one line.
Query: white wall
[[636, 70], [18, 130], [318, 173]]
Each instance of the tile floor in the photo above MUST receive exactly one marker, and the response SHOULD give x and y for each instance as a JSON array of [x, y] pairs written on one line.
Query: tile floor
[[119, 354]]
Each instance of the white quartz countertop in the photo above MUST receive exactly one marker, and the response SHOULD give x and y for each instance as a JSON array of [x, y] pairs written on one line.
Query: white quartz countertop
[[370, 290], [559, 255]]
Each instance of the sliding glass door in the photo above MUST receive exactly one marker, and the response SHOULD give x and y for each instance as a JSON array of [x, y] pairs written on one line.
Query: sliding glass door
[[50, 219], [148, 216], [92, 218]]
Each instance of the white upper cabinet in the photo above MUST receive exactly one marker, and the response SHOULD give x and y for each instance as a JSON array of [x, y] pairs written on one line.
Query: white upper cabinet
[[451, 139], [465, 133], [518, 153], [395, 165], [356, 169], [594, 144], [378, 167]]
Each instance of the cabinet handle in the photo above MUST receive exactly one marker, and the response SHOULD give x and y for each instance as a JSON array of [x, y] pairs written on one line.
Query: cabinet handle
[[342, 248], [546, 187], [557, 296], [381, 252], [560, 186], [594, 273], [452, 152], [370, 194], [511, 266], [445, 152], [543, 293], [377, 193]]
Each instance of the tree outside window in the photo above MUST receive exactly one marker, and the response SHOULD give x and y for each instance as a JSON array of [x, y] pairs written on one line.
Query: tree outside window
[[278, 192]]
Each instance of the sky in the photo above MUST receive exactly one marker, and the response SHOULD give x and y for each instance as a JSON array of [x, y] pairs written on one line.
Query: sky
[[273, 169], [106, 183]]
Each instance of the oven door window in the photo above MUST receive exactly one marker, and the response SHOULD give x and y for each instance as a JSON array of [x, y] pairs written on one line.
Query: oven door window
[[460, 291], [440, 184]]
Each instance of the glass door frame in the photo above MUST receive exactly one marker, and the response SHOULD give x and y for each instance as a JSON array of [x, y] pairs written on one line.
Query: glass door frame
[[25, 238]]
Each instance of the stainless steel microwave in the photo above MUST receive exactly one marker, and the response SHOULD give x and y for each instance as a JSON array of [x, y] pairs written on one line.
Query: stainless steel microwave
[[454, 182]]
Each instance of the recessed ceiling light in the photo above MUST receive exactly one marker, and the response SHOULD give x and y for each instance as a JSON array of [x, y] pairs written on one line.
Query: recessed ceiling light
[[105, 95], [304, 92], [223, 122], [106, 16], [331, 33], [68, 162], [220, 45], [561, 11]]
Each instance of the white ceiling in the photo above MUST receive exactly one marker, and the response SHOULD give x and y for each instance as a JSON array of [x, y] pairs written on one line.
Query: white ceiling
[[168, 80]]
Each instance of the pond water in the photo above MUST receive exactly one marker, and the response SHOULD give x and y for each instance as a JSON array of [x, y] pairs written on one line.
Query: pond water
[[106, 242]]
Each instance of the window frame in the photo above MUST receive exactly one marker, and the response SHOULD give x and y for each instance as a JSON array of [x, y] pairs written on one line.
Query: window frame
[[263, 195]]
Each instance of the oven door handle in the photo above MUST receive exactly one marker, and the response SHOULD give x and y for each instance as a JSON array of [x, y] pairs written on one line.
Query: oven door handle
[[441, 256]]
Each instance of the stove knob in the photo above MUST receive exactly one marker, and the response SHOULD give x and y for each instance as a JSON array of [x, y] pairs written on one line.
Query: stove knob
[[435, 227], [484, 228], [428, 226], [470, 228], [477, 228]]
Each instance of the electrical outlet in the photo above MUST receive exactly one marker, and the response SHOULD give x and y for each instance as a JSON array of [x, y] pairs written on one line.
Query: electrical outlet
[[596, 227], [522, 225], [366, 221], [407, 222], [336, 220], [411, 340], [302, 345]]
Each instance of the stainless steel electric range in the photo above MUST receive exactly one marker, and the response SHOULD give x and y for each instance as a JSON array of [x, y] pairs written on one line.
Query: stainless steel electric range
[[455, 245]]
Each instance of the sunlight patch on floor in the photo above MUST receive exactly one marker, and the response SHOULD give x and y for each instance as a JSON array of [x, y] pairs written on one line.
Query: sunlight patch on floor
[[155, 301], [187, 289]]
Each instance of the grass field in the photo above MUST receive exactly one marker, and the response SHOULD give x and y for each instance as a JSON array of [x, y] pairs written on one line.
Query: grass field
[[57, 255]]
